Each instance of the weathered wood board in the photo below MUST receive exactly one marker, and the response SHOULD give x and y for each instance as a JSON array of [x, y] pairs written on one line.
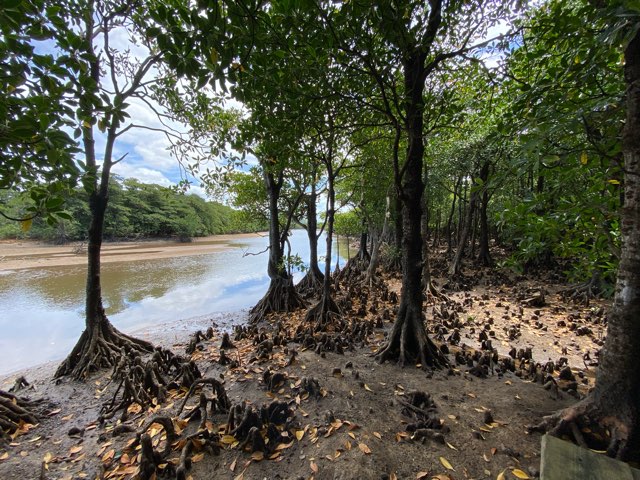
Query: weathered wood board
[[560, 460]]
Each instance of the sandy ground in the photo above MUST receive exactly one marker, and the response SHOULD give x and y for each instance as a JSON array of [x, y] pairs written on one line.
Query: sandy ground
[[16, 255]]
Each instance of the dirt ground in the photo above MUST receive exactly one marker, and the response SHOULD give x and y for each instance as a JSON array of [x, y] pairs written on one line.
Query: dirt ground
[[359, 426]]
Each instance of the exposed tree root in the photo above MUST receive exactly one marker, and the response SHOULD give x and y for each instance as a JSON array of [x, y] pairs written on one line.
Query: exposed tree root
[[323, 314], [226, 342], [219, 403], [253, 427], [142, 383], [311, 284], [167, 424], [281, 297], [420, 407], [194, 342], [99, 347], [583, 293], [356, 268], [433, 293], [408, 342], [151, 459], [15, 412], [587, 426], [19, 384]]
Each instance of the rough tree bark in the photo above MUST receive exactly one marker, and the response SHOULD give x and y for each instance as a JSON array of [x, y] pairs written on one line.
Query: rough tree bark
[[311, 283], [281, 295], [377, 243], [428, 287], [451, 214], [408, 340], [456, 263], [326, 310], [357, 265], [101, 344], [484, 255], [613, 404]]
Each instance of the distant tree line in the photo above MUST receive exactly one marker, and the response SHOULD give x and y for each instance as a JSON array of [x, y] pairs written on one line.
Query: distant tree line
[[136, 210]]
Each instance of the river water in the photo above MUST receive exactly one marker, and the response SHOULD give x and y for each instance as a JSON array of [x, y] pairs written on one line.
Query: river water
[[42, 309]]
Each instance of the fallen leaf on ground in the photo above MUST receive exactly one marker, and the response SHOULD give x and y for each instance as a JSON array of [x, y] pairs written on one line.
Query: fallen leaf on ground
[[364, 448], [257, 456], [520, 474], [198, 457], [446, 463], [75, 449], [109, 455], [420, 475], [314, 467]]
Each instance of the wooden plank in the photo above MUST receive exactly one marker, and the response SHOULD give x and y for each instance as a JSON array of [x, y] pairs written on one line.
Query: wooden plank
[[561, 460]]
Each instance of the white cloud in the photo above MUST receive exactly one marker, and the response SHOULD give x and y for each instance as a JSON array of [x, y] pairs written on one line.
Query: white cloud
[[144, 174]]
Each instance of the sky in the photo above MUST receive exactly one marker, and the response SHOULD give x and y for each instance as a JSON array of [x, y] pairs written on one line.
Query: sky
[[148, 158]]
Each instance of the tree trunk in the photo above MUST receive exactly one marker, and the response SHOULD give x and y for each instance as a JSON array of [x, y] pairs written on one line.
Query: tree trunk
[[618, 378], [311, 283], [456, 263], [450, 219], [427, 285], [613, 404], [281, 295], [100, 344], [377, 243], [408, 340], [326, 310], [484, 256], [397, 262]]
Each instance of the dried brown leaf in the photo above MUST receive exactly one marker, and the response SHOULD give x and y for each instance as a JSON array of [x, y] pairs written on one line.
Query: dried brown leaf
[[108, 456], [197, 457], [364, 448]]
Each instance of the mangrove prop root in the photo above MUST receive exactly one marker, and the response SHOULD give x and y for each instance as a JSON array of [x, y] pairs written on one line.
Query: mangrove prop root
[[149, 458], [226, 342], [408, 342], [166, 423], [15, 411], [280, 297], [323, 314], [220, 403], [99, 347], [585, 416]]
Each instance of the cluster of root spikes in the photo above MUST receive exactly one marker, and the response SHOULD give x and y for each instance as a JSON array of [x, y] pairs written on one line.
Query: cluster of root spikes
[[210, 426], [331, 325], [423, 421], [141, 384]]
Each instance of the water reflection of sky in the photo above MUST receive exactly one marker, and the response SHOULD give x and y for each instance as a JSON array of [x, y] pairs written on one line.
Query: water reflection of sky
[[41, 314]]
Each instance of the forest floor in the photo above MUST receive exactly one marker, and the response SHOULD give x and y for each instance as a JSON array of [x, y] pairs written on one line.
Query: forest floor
[[358, 426]]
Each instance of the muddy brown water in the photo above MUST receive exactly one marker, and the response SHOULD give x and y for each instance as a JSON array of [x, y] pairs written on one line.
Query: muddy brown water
[[42, 309]]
